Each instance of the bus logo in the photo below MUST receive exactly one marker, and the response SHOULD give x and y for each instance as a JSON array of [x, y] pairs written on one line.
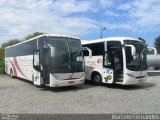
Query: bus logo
[[99, 61]]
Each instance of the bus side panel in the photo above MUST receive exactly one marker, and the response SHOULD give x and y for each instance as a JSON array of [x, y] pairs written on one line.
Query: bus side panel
[[8, 65], [95, 63], [21, 66], [24, 65], [26, 68]]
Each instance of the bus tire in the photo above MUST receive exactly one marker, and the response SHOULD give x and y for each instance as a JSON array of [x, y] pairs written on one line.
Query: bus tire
[[33, 79], [11, 73], [97, 79]]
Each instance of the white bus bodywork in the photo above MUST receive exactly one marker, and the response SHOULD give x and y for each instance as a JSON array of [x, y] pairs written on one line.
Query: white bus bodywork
[[109, 63], [37, 60]]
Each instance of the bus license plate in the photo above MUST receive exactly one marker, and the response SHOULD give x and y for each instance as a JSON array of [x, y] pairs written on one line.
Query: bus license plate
[[71, 82]]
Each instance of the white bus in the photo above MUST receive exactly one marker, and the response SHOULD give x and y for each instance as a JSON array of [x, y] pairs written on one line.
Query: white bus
[[50, 60], [118, 60]]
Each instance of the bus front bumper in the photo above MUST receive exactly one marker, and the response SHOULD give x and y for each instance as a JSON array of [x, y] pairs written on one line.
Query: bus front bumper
[[129, 80], [71, 82]]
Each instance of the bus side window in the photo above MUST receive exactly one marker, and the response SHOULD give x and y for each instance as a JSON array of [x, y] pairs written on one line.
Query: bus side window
[[106, 60], [36, 63]]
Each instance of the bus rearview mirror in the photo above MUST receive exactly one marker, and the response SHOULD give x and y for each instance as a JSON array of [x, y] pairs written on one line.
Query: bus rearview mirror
[[89, 50]]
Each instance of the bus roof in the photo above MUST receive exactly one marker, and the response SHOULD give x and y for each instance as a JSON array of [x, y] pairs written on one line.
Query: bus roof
[[108, 39], [47, 35]]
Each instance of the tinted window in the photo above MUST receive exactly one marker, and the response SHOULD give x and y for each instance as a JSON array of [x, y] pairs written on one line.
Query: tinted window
[[114, 55], [85, 52], [97, 48], [22, 49], [139, 61]]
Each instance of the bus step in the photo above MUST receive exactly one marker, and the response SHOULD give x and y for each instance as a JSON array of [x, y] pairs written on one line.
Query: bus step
[[118, 80], [119, 76]]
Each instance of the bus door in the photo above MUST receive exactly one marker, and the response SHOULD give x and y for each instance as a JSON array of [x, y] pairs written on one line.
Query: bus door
[[46, 65], [115, 58], [36, 65]]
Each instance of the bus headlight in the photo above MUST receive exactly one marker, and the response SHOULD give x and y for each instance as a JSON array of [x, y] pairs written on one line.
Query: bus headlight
[[56, 77], [130, 75]]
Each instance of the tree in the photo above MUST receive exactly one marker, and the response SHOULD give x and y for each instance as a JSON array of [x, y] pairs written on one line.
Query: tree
[[33, 35], [10, 42], [2, 50], [2, 64], [157, 44], [142, 39]]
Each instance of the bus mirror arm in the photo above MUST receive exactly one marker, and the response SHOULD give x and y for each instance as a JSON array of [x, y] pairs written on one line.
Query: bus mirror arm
[[89, 50], [133, 49], [52, 49]]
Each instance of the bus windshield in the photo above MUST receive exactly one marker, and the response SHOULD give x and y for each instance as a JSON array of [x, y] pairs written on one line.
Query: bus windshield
[[139, 61], [68, 55]]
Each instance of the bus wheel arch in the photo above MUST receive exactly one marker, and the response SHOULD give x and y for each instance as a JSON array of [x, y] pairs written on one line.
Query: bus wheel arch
[[96, 77]]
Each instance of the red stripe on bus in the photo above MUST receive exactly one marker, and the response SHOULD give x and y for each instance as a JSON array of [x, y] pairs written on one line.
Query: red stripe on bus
[[15, 62], [14, 69]]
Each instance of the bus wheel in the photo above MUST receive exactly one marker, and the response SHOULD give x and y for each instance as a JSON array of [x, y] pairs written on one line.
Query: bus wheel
[[11, 73], [32, 79], [97, 78]]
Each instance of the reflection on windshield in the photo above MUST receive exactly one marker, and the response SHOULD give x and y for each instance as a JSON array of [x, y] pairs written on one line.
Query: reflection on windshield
[[76, 54], [138, 62], [68, 55]]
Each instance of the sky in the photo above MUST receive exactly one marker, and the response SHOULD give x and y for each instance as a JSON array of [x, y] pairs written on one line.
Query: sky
[[81, 18]]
